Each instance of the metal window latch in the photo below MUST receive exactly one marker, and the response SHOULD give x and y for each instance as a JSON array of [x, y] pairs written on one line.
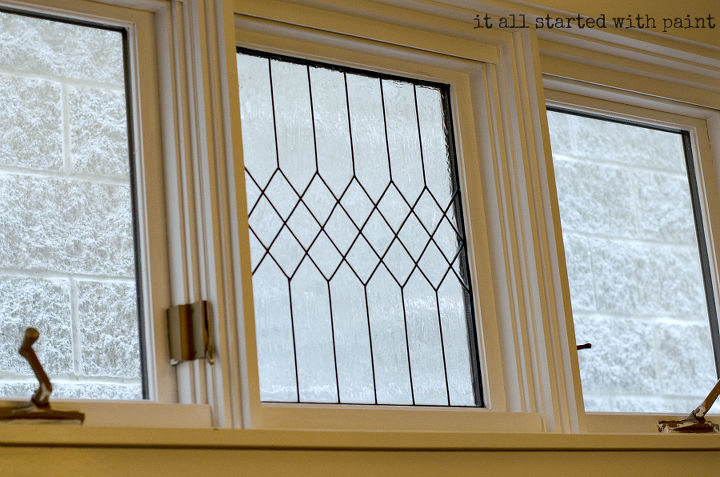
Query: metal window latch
[[695, 422], [39, 406], [190, 333]]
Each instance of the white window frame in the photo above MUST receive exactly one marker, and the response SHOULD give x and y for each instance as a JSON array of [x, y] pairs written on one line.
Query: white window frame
[[490, 141], [161, 409]]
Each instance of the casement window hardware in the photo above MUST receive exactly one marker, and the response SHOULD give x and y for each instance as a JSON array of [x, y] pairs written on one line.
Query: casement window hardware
[[189, 333], [695, 422], [39, 406]]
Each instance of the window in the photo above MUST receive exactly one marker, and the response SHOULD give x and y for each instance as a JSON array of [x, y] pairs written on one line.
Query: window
[[430, 66], [360, 271], [80, 99], [67, 239], [637, 263]]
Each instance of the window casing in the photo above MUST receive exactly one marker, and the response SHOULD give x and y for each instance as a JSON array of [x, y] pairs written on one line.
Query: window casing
[[487, 147]]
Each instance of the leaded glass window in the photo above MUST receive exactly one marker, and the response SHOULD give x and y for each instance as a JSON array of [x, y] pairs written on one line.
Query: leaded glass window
[[359, 258]]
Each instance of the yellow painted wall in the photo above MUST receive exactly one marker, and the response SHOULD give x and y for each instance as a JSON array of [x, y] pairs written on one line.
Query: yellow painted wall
[[655, 8]]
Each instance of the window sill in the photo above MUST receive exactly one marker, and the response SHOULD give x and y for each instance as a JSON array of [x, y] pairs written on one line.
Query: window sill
[[225, 439], [113, 414]]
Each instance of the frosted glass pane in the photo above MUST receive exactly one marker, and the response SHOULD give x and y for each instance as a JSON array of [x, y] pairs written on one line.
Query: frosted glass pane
[[360, 216], [276, 359], [403, 138], [331, 128], [636, 282], [385, 307], [313, 335], [353, 343], [426, 348], [256, 115], [66, 223], [368, 133], [293, 122]]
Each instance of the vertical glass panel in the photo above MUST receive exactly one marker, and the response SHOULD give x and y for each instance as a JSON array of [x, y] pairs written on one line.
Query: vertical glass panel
[[368, 133], [426, 349], [355, 373], [385, 307], [313, 335], [295, 141], [276, 353], [454, 315], [256, 114], [370, 246], [636, 278], [403, 139], [332, 128], [438, 163], [67, 245]]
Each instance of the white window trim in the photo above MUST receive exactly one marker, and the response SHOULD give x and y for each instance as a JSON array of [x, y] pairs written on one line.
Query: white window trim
[[482, 73]]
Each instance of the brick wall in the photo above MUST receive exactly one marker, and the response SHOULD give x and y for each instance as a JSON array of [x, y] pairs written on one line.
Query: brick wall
[[66, 245], [633, 264]]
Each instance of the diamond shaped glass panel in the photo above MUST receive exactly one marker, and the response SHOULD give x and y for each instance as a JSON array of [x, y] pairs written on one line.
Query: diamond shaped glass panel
[[398, 262], [303, 225], [362, 259], [414, 237], [325, 255], [377, 233], [394, 208], [287, 251], [433, 264], [341, 229], [265, 222], [319, 200], [357, 203], [428, 212], [281, 195]]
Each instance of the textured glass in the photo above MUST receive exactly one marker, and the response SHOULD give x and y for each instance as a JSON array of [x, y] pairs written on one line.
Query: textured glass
[[67, 251], [636, 282], [360, 275]]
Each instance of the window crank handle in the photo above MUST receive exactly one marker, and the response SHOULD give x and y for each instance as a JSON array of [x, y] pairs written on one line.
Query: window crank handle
[[42, 395]]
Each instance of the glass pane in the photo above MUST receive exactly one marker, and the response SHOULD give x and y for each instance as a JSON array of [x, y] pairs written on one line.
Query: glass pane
[[367, 302], [636, 280], [66, 222]]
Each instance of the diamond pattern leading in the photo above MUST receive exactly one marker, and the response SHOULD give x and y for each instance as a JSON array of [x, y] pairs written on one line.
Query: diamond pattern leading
[[380, 199]]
